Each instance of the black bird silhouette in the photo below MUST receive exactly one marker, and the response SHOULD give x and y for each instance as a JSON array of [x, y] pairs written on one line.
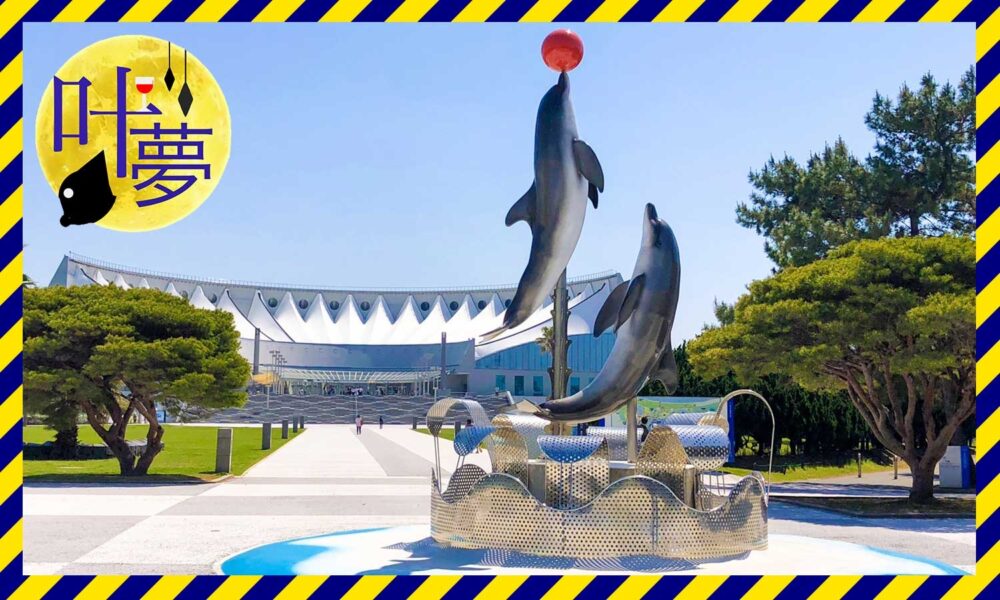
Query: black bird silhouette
[[85, 194]]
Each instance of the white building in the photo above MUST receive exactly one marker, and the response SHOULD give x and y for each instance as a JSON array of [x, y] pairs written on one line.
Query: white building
[[386, 340]]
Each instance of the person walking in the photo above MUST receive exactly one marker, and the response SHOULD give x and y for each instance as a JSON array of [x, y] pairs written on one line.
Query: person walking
[[357, 424], [381, 422]]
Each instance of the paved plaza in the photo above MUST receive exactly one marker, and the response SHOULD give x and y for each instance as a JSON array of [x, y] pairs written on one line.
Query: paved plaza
[[329, 480]]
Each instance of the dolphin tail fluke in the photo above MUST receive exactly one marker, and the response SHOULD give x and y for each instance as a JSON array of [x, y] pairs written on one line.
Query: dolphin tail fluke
[[523, 209]]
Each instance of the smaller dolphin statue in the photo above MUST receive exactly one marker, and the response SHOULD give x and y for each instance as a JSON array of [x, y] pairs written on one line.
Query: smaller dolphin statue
[[567, 173], [642, 313], [85, 194]]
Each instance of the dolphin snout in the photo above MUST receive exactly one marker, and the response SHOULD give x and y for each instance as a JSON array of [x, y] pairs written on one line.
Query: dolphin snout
[[563, 80], [651, 211]]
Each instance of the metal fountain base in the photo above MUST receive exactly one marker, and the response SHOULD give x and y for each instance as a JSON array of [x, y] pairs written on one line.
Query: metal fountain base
[[576, 497]]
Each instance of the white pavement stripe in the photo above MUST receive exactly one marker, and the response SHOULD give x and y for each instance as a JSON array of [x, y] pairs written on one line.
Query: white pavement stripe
[[319, 451], [209, 539], [303, 489], [422, 445], [80, 505]]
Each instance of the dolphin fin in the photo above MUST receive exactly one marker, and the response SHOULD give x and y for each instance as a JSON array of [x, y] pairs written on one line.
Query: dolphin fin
[[666, 369], [588, 165], [523, 209], [631, 299], [609, 311], [592, 194]]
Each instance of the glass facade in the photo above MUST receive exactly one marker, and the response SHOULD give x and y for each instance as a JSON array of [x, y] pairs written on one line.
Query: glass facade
[[501, 383], [574, 385], [518, 385], [586, 354], [537, 386]]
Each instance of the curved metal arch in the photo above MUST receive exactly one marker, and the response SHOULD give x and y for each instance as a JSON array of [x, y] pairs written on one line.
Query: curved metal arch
[[435, 420], [748, 392]]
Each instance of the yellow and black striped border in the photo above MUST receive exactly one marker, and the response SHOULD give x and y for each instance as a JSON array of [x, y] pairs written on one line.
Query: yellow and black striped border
[[983, 14]]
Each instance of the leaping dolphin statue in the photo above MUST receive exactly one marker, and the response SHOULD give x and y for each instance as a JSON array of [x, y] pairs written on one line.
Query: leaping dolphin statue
[[567, 172], [642, 313]]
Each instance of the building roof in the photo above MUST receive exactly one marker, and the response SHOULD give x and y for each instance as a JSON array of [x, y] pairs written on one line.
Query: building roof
[[323, 315]]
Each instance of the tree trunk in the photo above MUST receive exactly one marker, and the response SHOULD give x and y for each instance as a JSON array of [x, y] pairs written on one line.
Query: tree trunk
[[126, 462], [154, 444], [922, 488]]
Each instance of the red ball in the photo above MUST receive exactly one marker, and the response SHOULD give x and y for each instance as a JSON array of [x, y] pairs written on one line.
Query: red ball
[[562, 50]]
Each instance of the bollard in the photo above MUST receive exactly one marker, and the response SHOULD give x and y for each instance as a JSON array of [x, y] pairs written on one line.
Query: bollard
[[302, 423], [224, 451], [458, 427], [859, 465], [295, 424], [265, 436], [895, 467], [415, 422], [690, 485], [284, 429]]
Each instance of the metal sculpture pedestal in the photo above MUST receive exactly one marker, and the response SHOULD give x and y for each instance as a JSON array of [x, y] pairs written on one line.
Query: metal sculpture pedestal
[[580, 496]]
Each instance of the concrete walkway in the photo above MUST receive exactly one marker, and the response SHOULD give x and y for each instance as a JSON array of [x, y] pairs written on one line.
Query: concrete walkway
[[327, 480]]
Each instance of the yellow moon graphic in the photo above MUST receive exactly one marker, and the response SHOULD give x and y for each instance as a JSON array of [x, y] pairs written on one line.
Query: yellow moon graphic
[[147, 57]]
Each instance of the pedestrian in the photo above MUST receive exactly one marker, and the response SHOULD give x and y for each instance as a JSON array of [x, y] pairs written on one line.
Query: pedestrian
[[381, 421], [357, 424], [644, 425]]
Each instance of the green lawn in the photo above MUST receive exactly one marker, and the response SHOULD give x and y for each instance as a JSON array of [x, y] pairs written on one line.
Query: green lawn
[[189, 452], [799, 472], [446, 433]]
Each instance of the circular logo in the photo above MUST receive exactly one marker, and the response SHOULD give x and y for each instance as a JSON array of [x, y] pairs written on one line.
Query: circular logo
[[132, 133]]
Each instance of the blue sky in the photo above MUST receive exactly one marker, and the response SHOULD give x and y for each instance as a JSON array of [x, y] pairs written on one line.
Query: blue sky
[[378, 155]]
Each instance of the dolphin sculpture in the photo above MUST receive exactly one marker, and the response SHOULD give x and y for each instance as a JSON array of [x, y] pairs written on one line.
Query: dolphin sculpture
[[567, 172], [642, 313]]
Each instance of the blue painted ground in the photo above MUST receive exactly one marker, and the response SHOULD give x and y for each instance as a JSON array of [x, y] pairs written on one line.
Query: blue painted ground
[[410, 550]]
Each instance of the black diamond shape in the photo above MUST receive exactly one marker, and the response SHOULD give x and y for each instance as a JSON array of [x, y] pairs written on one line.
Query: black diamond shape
[[185, 99], [169, 78]]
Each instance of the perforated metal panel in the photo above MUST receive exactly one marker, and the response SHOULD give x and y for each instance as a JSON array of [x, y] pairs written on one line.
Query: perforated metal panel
[[469, 438], [529, 427], [635, 516], [577, 469], [707, 447], [663, 458], [617, 438], [579, 515]]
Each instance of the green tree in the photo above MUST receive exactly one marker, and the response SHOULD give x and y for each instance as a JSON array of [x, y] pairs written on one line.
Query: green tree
[[112, 354], [918, 181], [891, 322]]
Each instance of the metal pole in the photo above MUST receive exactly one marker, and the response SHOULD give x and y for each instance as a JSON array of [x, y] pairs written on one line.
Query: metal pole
[[859, 465], [631, 423], [560, 340]]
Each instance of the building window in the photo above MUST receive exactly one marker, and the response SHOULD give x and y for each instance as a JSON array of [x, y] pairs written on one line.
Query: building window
[[506, 303], [574, 385], [481, 304], [213, 299], [518, 385], [537, 386], [303, 304], [424, 306], [272, 302], [365, 306], [334, 305], [453, 306], [501, 383]]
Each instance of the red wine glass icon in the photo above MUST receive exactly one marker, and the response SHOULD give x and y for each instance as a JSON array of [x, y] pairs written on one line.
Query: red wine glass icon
[[144, 85]]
